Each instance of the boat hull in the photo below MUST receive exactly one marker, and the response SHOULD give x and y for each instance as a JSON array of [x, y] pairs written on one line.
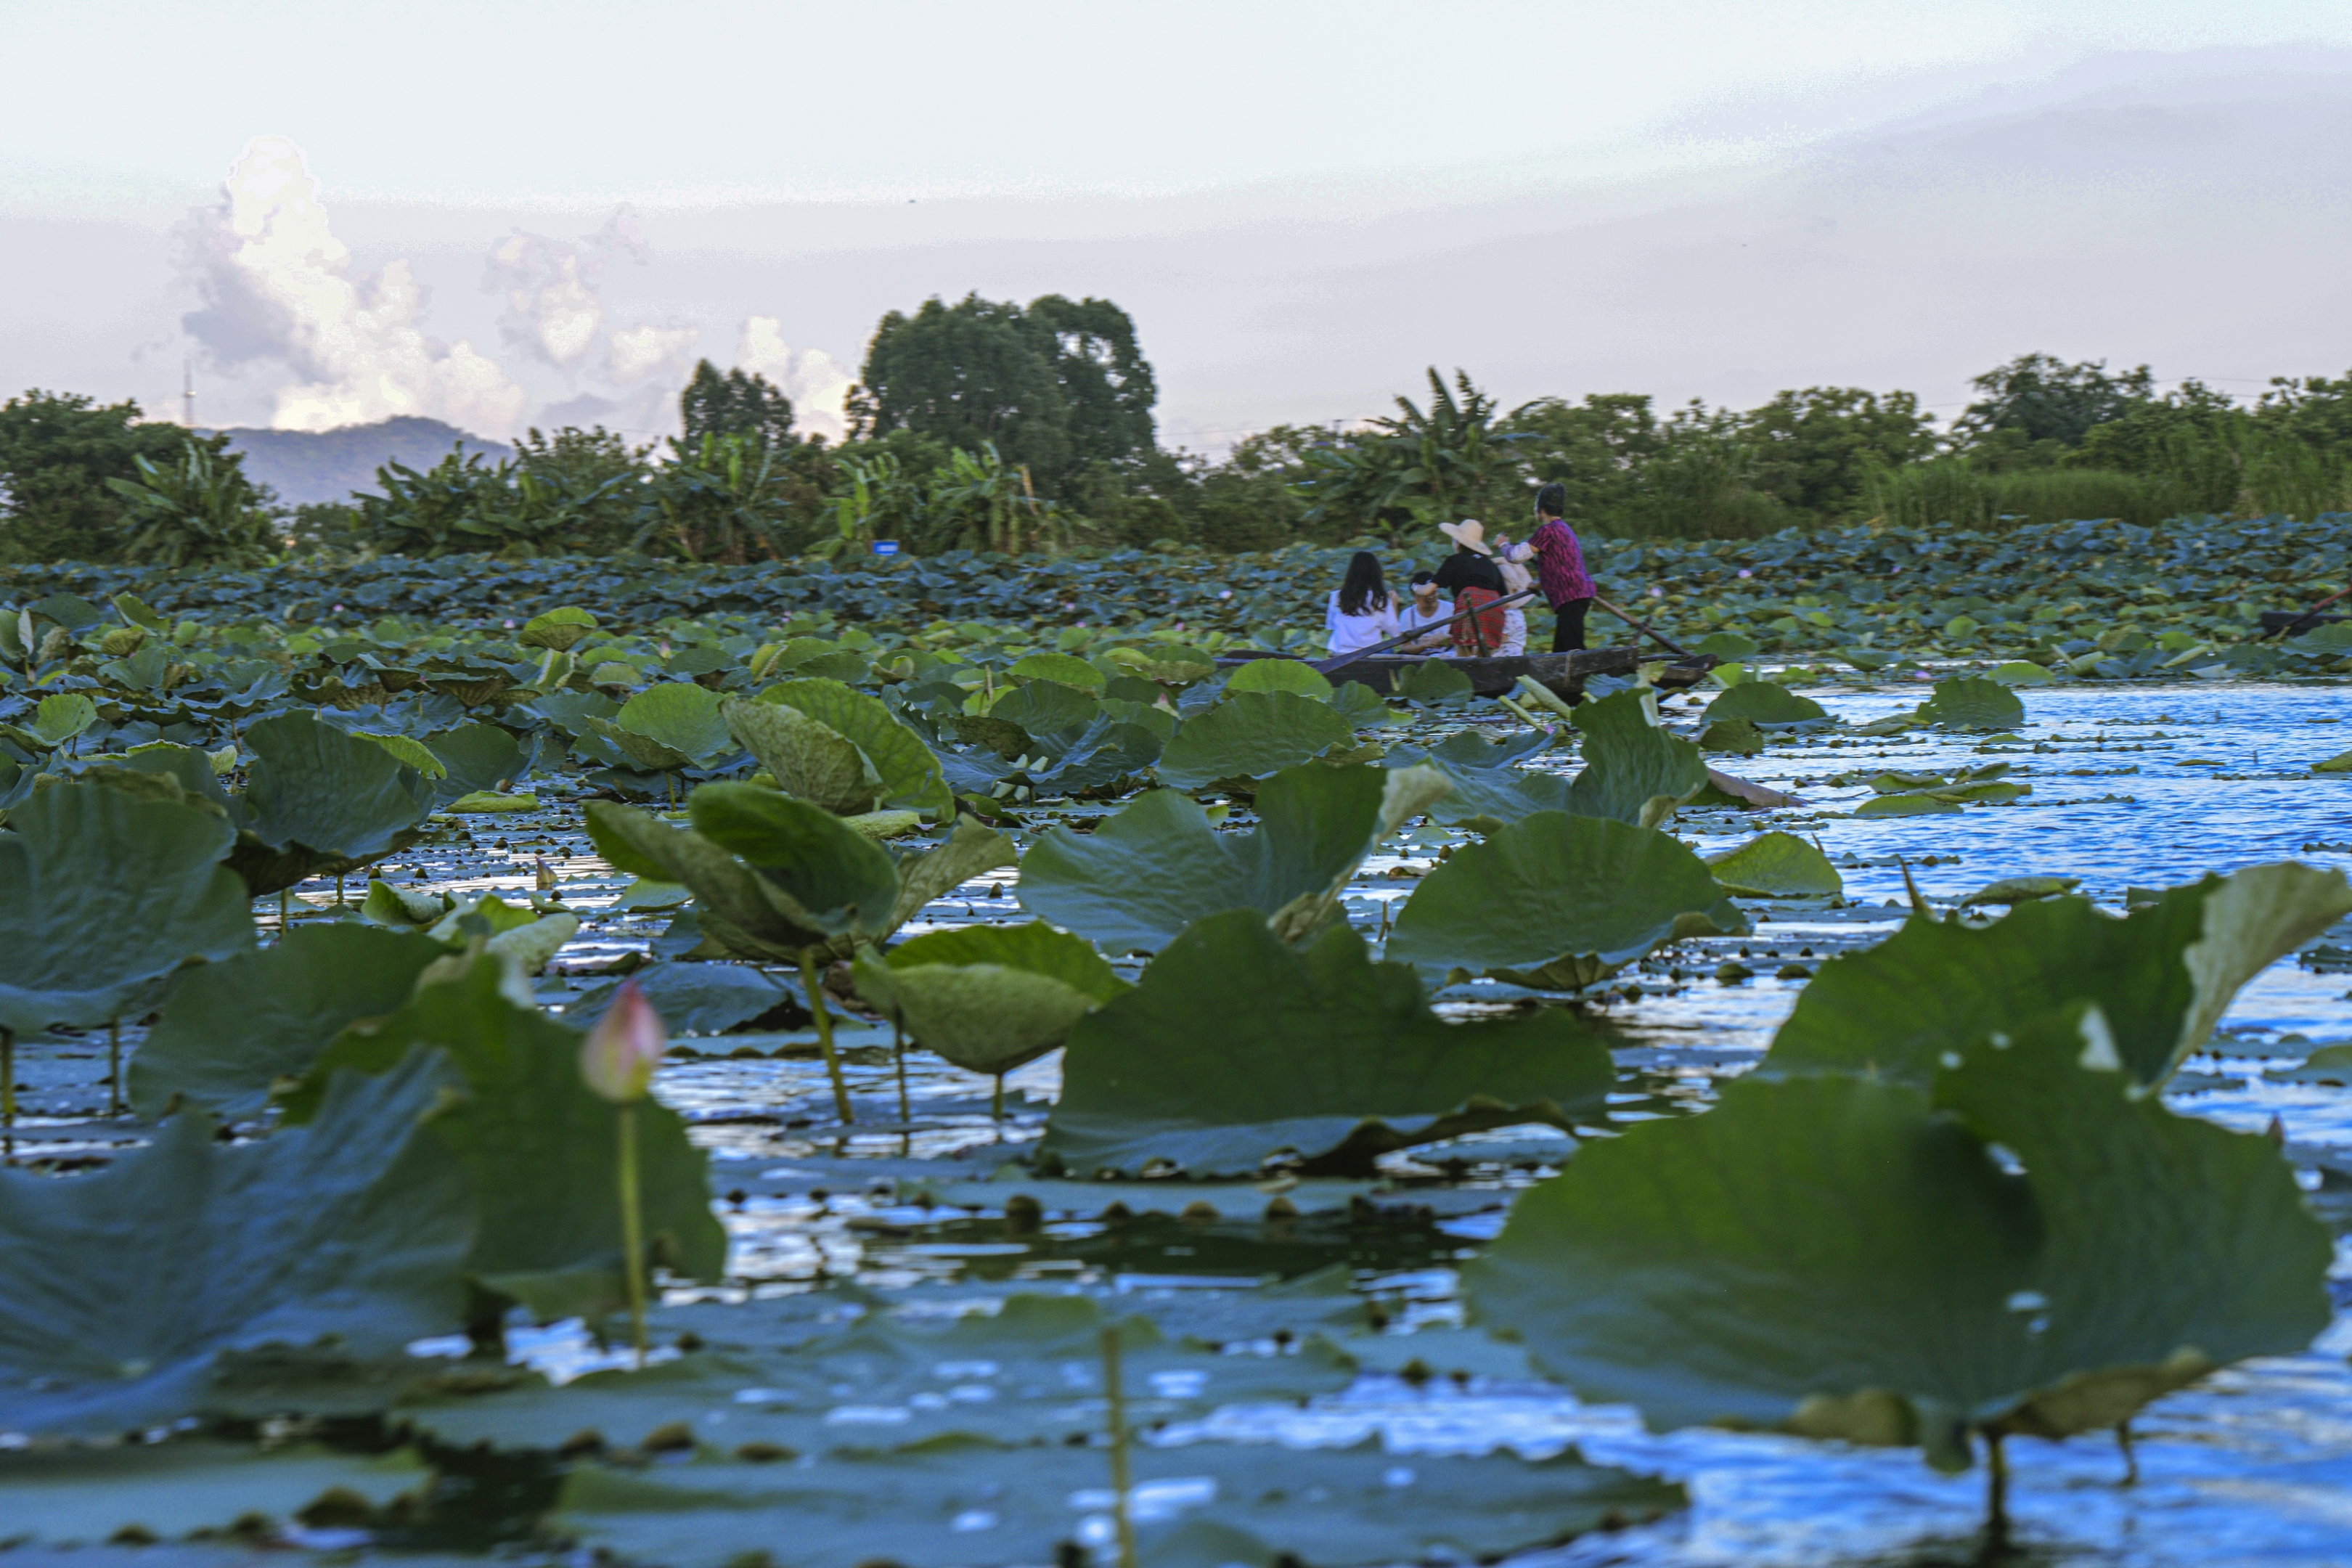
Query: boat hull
[[1564, 674]]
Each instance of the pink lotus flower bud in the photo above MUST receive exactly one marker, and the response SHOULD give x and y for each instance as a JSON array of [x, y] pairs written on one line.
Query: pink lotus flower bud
[[621, 1052]]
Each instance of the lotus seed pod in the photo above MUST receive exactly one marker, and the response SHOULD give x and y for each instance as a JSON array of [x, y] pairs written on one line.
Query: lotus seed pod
[[620, 1054]]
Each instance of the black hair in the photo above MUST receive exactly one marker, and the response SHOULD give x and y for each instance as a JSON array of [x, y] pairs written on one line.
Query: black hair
[[1421, 577], [1363, 588], [1553, 500]]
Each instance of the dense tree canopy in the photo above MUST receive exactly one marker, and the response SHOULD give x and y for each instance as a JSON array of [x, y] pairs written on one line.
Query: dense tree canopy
[[732, 403], [57, 453]]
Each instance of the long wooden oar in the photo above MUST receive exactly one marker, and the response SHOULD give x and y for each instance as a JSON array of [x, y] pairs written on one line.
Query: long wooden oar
[[1326, 666], [2308, 616], [1643, 629]]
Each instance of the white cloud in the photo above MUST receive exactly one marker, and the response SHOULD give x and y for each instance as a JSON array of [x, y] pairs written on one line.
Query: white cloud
[[644, 351], [817, 384], [279, 286], [554, 310]]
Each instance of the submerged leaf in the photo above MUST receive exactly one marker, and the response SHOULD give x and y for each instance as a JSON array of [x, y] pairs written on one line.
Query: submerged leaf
[[118, 1289], [1762, 702], [1235, 1046], [1559, 902], [1845, 1257], [1157, 865], [1969, 702]]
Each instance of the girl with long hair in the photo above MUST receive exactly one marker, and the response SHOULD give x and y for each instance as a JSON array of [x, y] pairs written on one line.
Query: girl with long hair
[[1362, 611]]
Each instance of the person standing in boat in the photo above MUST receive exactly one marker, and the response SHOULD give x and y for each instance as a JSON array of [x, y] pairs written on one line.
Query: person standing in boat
[[1511, 560], [1475, 581], [1362, 612], [1559, 568]]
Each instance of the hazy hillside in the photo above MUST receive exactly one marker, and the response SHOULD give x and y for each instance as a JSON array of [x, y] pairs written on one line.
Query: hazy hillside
[[304, 466]]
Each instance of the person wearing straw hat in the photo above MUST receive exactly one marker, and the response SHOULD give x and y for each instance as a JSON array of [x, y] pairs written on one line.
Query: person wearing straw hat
[[1471, 576]]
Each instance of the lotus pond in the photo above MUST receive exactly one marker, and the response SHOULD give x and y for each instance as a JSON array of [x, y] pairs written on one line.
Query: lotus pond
[[1412, 1130]]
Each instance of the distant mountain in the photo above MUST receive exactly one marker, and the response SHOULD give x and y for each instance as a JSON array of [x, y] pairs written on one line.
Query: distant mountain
[[306, 466]]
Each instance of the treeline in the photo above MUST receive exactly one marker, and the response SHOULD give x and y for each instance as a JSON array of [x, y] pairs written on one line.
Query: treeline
[[987, 425]]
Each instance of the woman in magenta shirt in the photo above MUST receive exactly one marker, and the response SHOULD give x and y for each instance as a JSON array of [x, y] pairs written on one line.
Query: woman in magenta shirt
[[1559, 569]]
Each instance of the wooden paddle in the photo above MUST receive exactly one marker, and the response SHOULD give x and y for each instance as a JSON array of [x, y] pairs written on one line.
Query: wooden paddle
[[2308, 616], [1643, 629]]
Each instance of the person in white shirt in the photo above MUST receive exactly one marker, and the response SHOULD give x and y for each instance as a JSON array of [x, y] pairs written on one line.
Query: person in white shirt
[[1511, 560], [1362, 612], [1425, 607]]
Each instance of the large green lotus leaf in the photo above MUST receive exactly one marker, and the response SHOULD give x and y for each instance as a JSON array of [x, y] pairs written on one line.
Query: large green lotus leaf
[[1062, 669], [1036, 1363], [312, 787], [989, 997], [962, 1500], [692, 998], [87, 1496], [1972, 702], [680, 715], [477, 757], [1488, 789], [1852, 1258], [909, 773], [117, 1290], [809, 759], [559, 630], [1776, 866], [230, 1031], [1157, 865], [1050, 714], [2163, 974], [1762, 702], [1170, 664], [1635, 771], [1281, 675], [1236, 1046], [641, 751], [1433, 681], [736, 907], [541, 1148], [1250, 735], [841, 881], [1102, 753], [1561, 901], [101, 894]]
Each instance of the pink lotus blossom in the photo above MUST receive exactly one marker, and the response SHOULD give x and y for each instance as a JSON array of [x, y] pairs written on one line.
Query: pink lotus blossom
[[621, 1052]]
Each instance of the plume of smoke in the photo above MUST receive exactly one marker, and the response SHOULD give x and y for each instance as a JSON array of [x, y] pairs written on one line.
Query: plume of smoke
[[276, 285], [817, 382]]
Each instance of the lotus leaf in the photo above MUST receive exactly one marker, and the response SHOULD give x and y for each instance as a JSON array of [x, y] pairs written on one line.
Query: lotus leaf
[[1038, 1360], [410, 750], [318, 801], [679, 716], [1048, 715], [1062, 669], [2020, 889], [1165, 663], [1738, 736], [1776, 866], [1969, 702], [230, 1031], [810, 760], [118, 1289], [1249, 736], [2162, 974], [558, 630], [2341, 763], [570, 710], [94, 1496], [531, 947], [909, 773], [836, 878], [1910, 803], [1488, 789], [1361, 706], [58, 718], [692, 998], [540, 1147], [1727, 645], [988, 998], [969, 851], [75, 614], [2018, 672], [1846, 1258], [1432, 680], [101, 895], [476, 758], [1280, 675], [1635, 771], [1559, 902], [1236, 1046], [644, 893], [135, 611], [485, 803], [1157, 865], [1763, 702]]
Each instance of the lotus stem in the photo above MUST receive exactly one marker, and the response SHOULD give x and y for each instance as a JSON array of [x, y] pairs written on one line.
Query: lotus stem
[[996, 1105], [114, 1067], [899, 1049], [824, 1035], [8, 1093], [632, 1231], [2131, 1456], [1996, 1532], [1120, 1483], [281, 914], [669, 782], [339, 890]]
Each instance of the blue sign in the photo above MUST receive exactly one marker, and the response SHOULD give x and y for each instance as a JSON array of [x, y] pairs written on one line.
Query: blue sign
[[886, 547]]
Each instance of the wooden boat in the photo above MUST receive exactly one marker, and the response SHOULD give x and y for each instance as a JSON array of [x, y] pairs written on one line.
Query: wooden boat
[[1563, 673], [2275, 621]]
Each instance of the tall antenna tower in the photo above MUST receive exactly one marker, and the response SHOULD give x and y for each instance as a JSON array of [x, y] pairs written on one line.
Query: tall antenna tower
[[188, 391]]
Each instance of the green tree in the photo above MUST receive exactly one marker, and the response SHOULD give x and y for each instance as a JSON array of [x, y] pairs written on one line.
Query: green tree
[[732, 496], [58, 452], [1594, 448], [199, 510], [1813, 450], [735, 403], [1107, 386], [2036, 405], [1418, 467], [595, 476], [1250, 502]]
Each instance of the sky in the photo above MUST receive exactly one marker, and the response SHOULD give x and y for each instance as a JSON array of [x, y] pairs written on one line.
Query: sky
[[505, 214]]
